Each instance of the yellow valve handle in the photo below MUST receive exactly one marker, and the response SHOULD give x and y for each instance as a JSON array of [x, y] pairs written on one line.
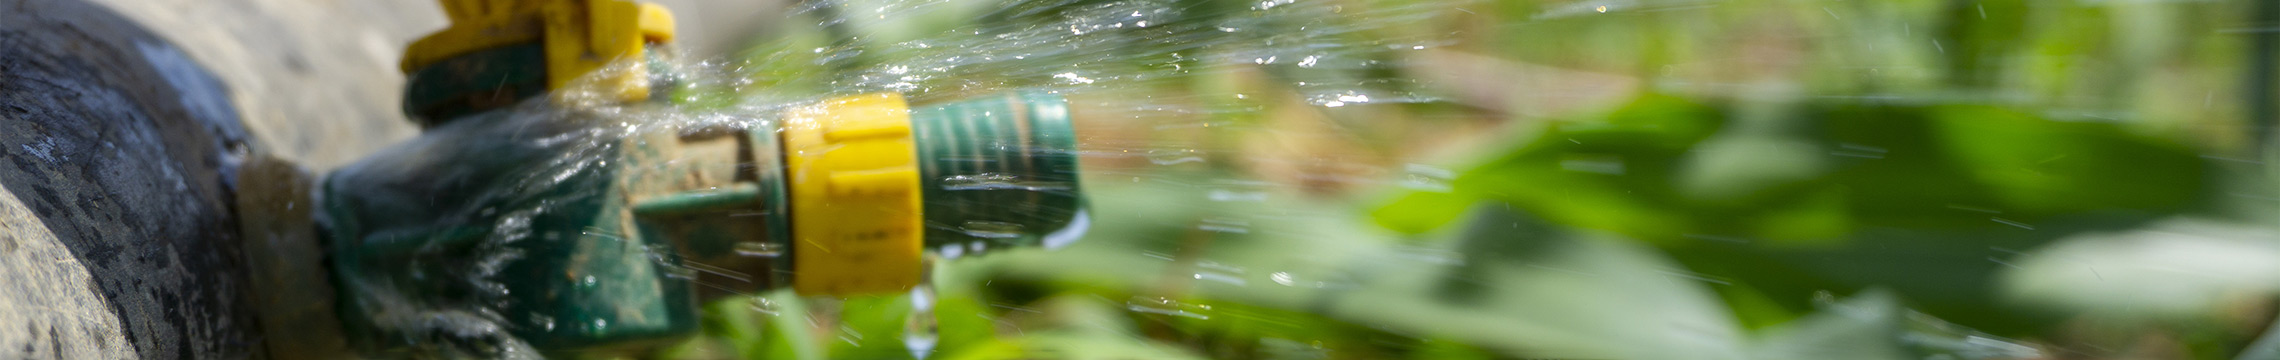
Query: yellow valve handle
[[853, 175], [580, 36]]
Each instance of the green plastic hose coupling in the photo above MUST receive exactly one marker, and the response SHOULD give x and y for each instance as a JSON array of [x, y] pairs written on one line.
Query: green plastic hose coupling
[[999, 171]]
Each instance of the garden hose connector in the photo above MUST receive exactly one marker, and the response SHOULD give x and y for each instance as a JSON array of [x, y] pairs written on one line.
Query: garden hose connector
[[874, 182], [851, 192], [500, 229]]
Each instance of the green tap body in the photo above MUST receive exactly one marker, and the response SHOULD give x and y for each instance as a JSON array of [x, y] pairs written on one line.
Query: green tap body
[[464, 241]]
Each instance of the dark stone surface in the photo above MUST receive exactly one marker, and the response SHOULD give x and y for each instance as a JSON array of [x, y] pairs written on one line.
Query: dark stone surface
[[119, 143]]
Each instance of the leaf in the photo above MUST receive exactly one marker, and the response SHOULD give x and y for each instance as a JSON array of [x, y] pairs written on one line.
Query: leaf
[[1615, 173], [1420, 211], [2041, 166], [2178, 269], [1575, 295], [871, 327], [1873, 325]]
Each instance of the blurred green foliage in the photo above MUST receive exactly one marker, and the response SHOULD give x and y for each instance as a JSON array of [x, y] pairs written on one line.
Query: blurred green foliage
[[1639, 171], [1967, 173], [1780, 180]]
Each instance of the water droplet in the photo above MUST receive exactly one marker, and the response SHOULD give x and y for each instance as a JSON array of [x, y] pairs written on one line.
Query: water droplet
[[991, 229], [1073, 78], [543, 321], [1225, 226], [996, 181], [1173, 157], [759, 249], [1166, 306], [1427, 178], [1223, 278], [919, 330], [1224, 195], [764, 306]]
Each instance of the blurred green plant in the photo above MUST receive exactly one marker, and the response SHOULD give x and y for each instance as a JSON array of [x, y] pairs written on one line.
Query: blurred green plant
[[1650, 170], [1850, 177], [1788, 180]]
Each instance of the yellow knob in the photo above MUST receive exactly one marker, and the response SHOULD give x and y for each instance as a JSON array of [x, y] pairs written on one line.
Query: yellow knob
[[580, 36], [853, 175]]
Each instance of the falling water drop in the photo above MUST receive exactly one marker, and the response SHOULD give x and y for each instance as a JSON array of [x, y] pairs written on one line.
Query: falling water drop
[[1174, 156], [991, 229], [919, 331]]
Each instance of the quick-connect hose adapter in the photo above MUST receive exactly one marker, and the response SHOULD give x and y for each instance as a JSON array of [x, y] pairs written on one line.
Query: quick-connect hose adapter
[[872, 181]]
